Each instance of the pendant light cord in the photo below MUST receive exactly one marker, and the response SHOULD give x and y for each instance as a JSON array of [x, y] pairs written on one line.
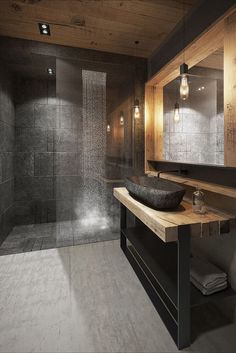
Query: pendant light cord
[[184, 31]]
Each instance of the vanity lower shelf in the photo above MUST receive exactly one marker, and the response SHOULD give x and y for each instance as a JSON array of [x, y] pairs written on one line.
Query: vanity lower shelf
[[154, 255]]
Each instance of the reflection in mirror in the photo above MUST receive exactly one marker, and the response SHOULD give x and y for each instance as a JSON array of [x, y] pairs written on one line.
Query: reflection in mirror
[[194, 128]]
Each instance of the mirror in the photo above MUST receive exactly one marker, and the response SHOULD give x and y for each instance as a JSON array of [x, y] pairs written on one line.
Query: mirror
[[193, 129]]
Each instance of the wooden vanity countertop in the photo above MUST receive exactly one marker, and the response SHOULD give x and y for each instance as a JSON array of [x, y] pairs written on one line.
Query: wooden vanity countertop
[[165, 224]]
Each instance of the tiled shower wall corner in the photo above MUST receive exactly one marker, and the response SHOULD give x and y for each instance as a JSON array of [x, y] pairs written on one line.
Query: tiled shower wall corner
[[7, 117], [198, 137]]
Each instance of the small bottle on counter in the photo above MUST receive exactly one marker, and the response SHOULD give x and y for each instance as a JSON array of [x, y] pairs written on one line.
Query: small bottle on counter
[[198, 201]]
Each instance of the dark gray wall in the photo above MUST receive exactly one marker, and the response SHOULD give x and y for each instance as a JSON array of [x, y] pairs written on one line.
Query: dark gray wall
[[47, 154], [6, 152], [36, 120]]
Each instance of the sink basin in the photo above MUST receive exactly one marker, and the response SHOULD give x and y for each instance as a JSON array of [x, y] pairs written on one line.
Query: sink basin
[[154, 192]]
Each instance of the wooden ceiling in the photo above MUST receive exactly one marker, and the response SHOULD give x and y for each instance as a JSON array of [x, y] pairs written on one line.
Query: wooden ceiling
[[132, 27]]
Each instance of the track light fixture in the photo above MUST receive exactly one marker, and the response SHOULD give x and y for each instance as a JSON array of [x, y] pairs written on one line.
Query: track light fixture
[[44, 29]]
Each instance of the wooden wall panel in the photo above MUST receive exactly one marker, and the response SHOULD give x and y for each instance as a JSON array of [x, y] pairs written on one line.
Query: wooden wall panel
[[158, 123], [149, 125], [153, 125], [230, 90]]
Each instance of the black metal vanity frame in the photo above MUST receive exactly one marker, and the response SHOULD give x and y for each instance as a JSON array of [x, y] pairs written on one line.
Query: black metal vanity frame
[[174, 313], [173, 302]]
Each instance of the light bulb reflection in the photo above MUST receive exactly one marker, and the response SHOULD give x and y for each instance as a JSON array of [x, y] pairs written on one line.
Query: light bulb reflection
[[176, 112], [136, 112], [184, 87], [108, 128], [121, 119]]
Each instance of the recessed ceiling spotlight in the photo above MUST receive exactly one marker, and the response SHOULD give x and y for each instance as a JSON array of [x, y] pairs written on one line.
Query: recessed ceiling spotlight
[[44, 29], [50, 71]]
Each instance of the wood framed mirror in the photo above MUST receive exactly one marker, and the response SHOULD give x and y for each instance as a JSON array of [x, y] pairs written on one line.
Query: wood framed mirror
[[205, 130]]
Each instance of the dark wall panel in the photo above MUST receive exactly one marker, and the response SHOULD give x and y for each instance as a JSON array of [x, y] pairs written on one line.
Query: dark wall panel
[[7, 119]]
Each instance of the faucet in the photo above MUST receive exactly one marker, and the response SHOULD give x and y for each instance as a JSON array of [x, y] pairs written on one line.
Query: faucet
[[180, 171]]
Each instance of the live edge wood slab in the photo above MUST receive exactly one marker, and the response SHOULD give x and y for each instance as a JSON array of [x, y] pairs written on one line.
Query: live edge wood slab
[[165, 224]]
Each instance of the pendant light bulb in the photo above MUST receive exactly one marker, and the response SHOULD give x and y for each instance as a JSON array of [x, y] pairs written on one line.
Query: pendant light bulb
[[108, 128], [176, 112], [184, 87], [136, 109]]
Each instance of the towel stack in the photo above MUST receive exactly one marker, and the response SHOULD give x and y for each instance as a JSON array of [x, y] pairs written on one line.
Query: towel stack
[[207, 277]]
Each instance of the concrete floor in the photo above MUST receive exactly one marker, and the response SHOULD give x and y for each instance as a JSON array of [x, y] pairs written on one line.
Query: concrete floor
[[41, 236], [88, 299]]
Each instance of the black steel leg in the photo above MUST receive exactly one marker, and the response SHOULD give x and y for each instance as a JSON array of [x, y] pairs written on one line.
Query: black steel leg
[[122, 226], [183, 288]]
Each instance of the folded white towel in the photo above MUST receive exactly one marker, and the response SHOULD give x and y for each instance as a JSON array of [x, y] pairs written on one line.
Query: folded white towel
[[209, 291], [205, 273]]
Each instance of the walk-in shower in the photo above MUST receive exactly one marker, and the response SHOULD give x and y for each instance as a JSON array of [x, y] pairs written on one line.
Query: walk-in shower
[[62, 161]]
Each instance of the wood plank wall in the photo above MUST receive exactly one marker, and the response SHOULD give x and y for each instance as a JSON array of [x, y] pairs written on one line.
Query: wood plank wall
[[230, 90]]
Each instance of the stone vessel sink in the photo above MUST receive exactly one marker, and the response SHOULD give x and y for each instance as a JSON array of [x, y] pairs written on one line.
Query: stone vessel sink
[[154, 192]]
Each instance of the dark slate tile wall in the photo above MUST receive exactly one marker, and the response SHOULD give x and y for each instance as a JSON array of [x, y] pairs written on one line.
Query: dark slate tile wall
[[49, 132], [7, 117], [47, 154]]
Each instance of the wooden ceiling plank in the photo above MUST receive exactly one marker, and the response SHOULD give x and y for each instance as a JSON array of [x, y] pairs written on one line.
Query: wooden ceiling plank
[[173, 3], [60, 17], [96, 10], [13, 31], [70, 19], [93, 33], [94, 24], [169, 12], [77, 35], [146, 9]]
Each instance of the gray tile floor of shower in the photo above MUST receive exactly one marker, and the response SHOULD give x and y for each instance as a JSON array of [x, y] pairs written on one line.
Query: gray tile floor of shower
[[33, 237]]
